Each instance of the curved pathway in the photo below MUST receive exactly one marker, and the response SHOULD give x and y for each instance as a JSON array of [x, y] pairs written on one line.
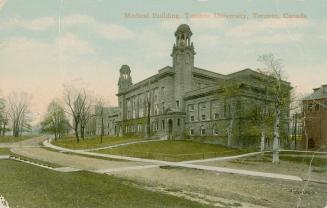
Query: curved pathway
[[182, 164], [31, 148]]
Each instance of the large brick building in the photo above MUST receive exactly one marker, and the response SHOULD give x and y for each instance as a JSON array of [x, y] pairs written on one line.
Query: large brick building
[[186, 101], [315, 118]]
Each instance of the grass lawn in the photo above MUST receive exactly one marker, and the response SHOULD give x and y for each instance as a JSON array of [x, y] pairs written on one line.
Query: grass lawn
[[92, 142], [173, 150], [27, 186], [292, 164], [10, 139], [319, 160], [4, 151]]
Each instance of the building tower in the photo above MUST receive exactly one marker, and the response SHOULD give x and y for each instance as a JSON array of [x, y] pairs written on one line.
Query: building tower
[[183, 63], [124, 82], [125, 79]]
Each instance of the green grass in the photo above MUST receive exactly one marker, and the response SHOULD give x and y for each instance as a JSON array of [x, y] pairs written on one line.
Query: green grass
[[10, 139], [90, 156], [283, 156], [173, 150], [92, 142], [4, 151], [27, 186]]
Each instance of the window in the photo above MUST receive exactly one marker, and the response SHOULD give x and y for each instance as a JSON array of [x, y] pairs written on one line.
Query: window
[[215, 132], [317, 105], [177, 103], [156, 109], [139, 127], [192, 118], [163, 124], [191, 107], [178, 122], [163, 107], [191, 131], [310, 107], [156, 126], [162, 91], [203, 105], [216, 115], [203, 131], [203, 117]]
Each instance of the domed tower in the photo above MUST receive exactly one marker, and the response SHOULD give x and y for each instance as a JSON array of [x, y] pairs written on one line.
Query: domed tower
[[125, 79], [183, 49], [183, 63]]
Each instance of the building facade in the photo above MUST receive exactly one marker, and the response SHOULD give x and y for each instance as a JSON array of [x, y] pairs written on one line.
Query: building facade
[[108, 118], [184, 101], [315, 118]]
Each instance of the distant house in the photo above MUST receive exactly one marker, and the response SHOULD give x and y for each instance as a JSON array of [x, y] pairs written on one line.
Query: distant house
[[315, 118]]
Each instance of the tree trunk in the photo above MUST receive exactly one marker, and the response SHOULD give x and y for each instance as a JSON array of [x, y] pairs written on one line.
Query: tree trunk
[[148, 121], [276, 137], [102, 128], [4, 129], [82, 127], [230, 132], [76, 132], [263, 138]]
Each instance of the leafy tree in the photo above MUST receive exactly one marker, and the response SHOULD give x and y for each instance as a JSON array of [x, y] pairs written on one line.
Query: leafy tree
[[231, 90], [280, 94], [260, 118], [55, 121]]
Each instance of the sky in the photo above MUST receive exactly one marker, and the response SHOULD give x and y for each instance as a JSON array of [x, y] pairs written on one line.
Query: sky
[[46, 44]]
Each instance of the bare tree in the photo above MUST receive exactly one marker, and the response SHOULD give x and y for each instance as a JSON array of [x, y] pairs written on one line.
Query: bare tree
[[3, 117], [280, 93], [100, 115], [18, 104], [86, 114], [75, 101]]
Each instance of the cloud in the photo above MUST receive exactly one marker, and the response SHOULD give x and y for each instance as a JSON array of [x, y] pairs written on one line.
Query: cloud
[[257, 27], [70, 44], [38, 24], [108, 31], [43, 67]]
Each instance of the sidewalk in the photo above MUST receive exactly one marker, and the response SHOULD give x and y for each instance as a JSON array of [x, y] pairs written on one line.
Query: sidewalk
[[182, 164]]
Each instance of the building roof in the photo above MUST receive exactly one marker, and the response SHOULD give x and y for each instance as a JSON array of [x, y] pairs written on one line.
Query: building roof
[[318, 93], [183, 28]]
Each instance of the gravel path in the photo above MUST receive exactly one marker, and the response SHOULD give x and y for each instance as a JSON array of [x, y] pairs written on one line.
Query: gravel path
[[31, 148]]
